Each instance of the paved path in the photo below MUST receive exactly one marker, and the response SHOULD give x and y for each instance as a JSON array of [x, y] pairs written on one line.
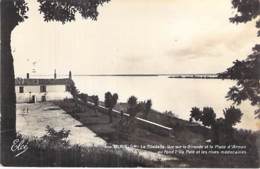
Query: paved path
[[40, 115]]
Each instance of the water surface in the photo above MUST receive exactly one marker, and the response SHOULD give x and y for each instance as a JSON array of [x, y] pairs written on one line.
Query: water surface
[[177, 95]]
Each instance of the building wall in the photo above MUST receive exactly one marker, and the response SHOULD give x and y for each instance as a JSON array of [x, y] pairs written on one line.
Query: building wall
[[36, 89], [53, 92]]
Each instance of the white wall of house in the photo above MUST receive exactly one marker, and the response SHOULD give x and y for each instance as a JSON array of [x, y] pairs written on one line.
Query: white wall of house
[[56, 88], [53, 92]]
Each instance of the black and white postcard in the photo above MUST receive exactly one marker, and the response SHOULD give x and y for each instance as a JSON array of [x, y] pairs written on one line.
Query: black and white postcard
[[130, 83]]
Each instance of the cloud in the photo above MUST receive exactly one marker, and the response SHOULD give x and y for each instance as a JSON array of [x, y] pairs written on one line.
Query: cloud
[[215, 44], [134, 36]]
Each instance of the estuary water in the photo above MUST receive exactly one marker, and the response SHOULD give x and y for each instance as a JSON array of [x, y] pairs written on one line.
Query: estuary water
[[177, 95]]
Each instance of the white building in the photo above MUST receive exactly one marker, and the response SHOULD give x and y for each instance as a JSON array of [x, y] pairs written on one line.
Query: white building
[[39, 90]]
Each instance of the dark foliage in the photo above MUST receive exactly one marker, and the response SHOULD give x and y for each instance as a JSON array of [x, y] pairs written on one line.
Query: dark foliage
[[208, 116], [170, 114], [221, 128], [72, 106], [73, 89], [65, 10], [129, 125], [147, 107], [110, 102], [247, 10], [54, 150], [127, 132], [132, 101], [232, 115], [246, 72], [195, 113], [83, 97], [95, 100], [134, 107], [15, 11], [56, 138]]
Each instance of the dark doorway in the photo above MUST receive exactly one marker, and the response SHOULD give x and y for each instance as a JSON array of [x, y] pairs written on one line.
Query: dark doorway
[[43, 98], [33, 100]]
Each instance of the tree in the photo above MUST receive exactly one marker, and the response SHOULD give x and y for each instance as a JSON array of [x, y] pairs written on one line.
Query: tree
[[13, 12], [83, 97], [221, 128], [195, 114], [132, 101], [147, 107], [223, 131], [232, 115], [132, 104], [95, 101], [218, 131], [74, 92], [110, 102], [208, 116], [246, 11], [170, 114], [246, 72], [133, 109]]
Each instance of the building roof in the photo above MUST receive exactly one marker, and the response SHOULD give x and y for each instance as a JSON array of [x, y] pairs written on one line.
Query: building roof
[[29, 82]]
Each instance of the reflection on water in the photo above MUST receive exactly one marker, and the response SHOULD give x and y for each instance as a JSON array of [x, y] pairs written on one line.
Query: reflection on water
[[177, 95]]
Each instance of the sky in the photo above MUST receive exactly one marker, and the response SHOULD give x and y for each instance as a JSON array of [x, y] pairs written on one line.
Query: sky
[[135, 36]]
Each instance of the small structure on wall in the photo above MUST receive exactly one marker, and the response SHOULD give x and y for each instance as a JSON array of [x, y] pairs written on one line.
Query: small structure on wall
[[31, 90]]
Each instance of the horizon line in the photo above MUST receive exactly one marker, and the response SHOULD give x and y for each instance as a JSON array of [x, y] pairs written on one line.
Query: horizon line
[[129, 74]]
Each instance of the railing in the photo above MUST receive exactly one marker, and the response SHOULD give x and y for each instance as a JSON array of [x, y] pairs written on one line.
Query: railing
[[149, 125]]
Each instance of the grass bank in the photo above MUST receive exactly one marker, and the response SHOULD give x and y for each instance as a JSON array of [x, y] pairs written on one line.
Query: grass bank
[[42, 153], [184, 133]]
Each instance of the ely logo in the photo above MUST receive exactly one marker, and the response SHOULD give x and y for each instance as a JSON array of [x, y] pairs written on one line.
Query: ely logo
[[19, 147]]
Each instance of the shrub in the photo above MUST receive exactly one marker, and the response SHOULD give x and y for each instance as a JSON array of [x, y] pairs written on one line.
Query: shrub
[[147, 107], [95, 100], [54, 137], [73, 89], [232, 115], [43, 152], [195, 113], [110, 102], [170, 114], [83, 97], [133, 107], [208, 116]]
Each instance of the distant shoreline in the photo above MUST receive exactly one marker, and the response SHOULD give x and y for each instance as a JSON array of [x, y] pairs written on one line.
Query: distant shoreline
[[205, 75]]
